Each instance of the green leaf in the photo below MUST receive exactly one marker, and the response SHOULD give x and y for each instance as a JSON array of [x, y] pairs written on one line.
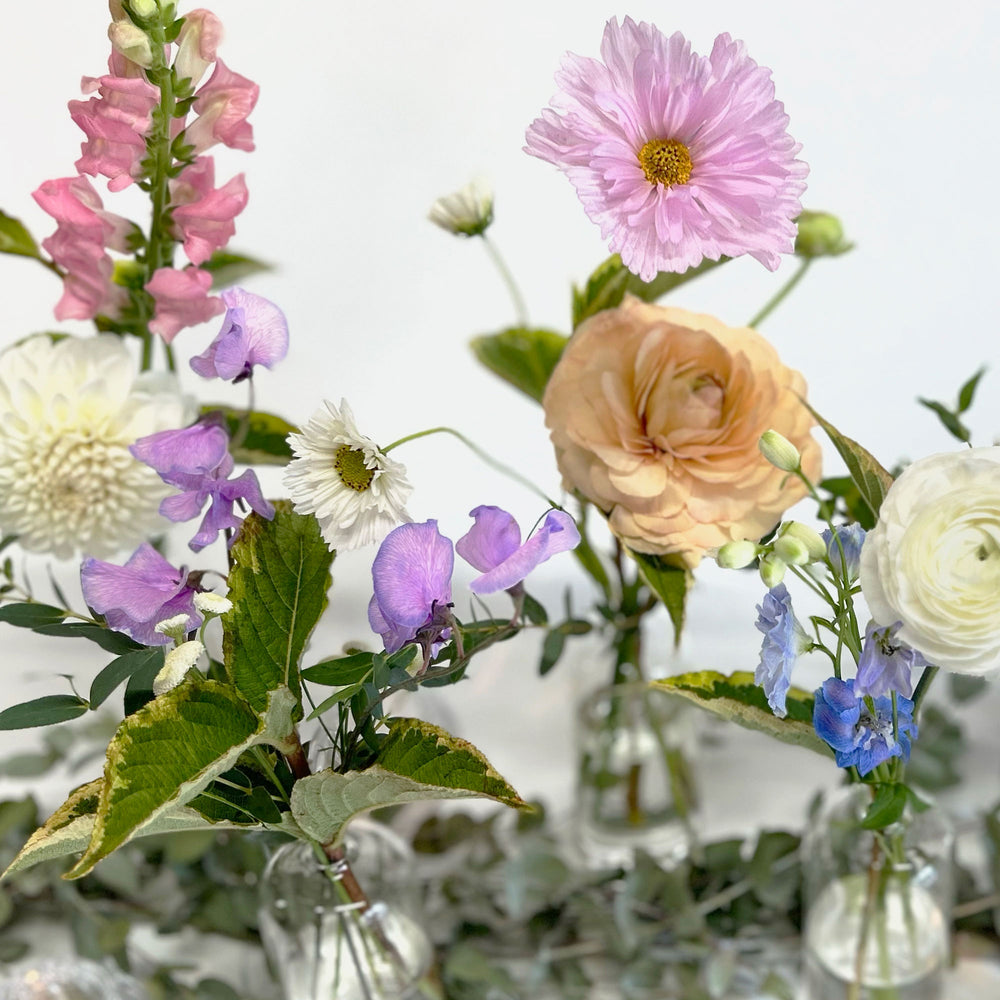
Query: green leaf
[[31, 615], [886, 807], [552, 649], [15, 238], [417, 761], [524, 358], [670, 584], [227, 268], [169, 751], [266, 439], [121, 669], [45, 711], [106, 638], [340, 671], [968, 391], [278, 585], [870, 478], [952, 424], [534, 611], [738, 699], [612, 281]]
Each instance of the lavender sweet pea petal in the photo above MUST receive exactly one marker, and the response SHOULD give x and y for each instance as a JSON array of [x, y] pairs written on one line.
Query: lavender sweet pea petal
[[411, 571], [493, 538], [558, 533], [194, 450], [247, 487], [143, 584], [182, 506], [254, 332], [394, 635]]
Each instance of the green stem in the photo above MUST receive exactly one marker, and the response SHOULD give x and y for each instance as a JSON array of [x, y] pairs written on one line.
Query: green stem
[[479, 453], [781, 294], [922, 687], [520, 309]]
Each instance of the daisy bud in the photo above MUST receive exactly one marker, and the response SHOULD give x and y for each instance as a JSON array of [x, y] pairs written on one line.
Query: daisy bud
[[736, 555], [132, 42], [820, 235], [466, 212], [812, 540], [779, 451], [177, 663], [215, 604], [176, 627], [772, 570]]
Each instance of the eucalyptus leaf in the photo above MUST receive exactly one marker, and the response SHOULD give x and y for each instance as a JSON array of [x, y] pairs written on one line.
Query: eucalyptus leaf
[[738, 699], [121, 669], [416, 761], [278, 582], [340, 670], [106, 638], [524, 358], [265, 441], [45, 711], [552, 647], [31, 615]]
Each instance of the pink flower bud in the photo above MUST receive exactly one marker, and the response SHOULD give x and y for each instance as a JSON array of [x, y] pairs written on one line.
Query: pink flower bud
[[196, 45]]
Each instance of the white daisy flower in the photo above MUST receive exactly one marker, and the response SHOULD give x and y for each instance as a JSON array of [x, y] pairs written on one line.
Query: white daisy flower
[[69, 409], [176, 664], [212, 604], [356, 491], [466, 212]]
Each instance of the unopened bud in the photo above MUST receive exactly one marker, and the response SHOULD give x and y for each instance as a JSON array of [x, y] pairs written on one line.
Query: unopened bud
[[466, 212], [132, 42], [176, 627], [177, 663], [779, 451], [736, 555], [215, 604], [809, 537], [820, 234], [772, 570], [790, 550], [144, 8]]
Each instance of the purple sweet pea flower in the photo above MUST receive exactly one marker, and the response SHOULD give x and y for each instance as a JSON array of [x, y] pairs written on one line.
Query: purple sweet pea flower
[[135, 597], [197, 461], [784, 640], [254, 332], [412, 579], [860, 737], [493, 546], [885, 663]]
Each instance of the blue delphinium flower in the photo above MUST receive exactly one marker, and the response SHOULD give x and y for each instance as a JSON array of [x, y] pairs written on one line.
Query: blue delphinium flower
[[850, 537], [860, 737], [784, 640], [886, 663]]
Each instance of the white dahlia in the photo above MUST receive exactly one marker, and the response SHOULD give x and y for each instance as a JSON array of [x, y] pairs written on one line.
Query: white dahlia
[[355, 490], [69, 409]]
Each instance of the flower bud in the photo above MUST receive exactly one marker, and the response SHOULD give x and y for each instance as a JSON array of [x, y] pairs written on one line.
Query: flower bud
[[820, 234], [466, 212], [215, 604], [791, 551], [813, 541], [144, 8], [779, 451], [772, 570], [132, 42], [736, 555], [177, 663], [176, 627]]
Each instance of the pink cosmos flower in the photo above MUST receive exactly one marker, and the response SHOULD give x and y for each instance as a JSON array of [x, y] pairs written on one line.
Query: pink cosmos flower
[[182, 300], [196, 45], [207, 224], [677, 157], [222, 105], [78, 247], [116, 124]]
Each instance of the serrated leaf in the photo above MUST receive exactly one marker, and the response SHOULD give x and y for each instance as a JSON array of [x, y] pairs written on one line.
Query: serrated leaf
[[278, 585], [121, 669], [169, 751], [869, 476], [524, 358], [886, 807], [670, 583], [738, 699], [46, 711], [69, 829], [15, 238], [265, 441], [227, 268], [30, 615], [416, 761]]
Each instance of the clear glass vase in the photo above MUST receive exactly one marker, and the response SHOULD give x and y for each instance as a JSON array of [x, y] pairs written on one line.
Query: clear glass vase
[[634, 785], [344, 929], [878, 905]]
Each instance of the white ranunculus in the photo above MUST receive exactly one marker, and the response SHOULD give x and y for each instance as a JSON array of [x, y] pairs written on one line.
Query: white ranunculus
[[933, 560]]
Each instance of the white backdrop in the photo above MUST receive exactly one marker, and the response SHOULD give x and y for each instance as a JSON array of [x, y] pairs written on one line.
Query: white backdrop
[[368, 111]]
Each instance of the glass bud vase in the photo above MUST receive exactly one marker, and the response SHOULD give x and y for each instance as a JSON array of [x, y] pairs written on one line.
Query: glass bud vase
[[634, 786], [326, 930], [878, 904]]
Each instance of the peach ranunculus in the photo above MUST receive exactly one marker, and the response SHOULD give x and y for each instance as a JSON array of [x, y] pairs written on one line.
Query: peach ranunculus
[[655, 414]]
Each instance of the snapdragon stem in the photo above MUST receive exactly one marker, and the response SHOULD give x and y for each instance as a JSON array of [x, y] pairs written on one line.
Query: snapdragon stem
[[520, 309], [479, 453], [781, 294]]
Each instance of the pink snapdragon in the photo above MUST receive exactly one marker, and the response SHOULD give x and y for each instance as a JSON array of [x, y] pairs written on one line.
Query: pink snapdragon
[[182, 300], [207, 223], [78, 246], [197, 43], [116, 124], [222, 105]]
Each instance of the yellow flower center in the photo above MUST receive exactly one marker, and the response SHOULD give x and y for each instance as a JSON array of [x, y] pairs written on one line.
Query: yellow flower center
[[350, 465], [666, 161]]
